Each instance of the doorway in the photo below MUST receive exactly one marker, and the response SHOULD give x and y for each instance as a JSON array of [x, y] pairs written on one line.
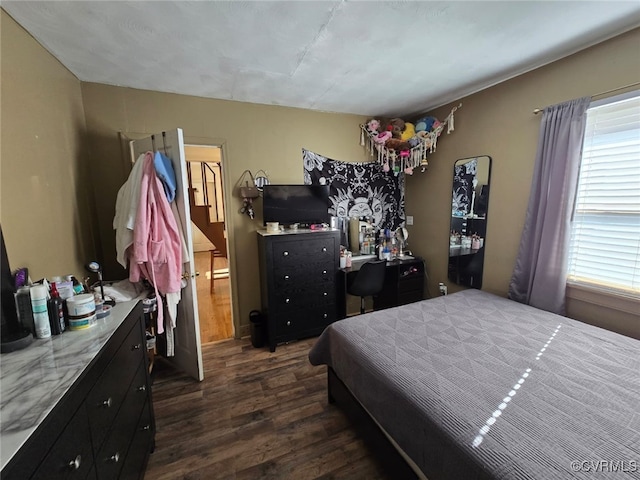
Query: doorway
[[206, 198]]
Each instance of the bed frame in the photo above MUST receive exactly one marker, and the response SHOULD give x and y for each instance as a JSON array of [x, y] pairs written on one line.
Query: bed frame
[[450, 462], [381, 447]]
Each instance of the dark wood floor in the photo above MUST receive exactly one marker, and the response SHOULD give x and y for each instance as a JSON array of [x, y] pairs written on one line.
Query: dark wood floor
[[257, 415]]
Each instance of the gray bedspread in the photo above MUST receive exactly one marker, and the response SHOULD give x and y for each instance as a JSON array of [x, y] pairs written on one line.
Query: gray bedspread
[[472, 385]]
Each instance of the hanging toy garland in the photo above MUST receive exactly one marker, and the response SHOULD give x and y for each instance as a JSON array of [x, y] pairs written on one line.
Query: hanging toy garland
[[401, 146]]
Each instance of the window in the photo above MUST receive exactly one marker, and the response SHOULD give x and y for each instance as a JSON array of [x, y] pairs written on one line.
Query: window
[[604, 250]]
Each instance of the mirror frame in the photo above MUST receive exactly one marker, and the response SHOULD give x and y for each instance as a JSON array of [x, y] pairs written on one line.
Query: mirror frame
[[469, 214]]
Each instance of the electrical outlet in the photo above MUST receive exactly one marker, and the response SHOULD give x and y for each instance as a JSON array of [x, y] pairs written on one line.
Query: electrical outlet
[[409, 219], [443, 288]]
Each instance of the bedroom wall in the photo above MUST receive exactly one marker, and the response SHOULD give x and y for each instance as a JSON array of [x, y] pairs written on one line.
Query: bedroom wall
[[45, 212], [252, 137], [499, 122]]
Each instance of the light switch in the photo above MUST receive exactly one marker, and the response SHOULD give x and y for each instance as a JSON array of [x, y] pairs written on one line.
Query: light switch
[[409, 219]]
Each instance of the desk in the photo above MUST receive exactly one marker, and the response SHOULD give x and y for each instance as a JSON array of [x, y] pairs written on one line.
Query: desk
[[465, 266], [403, 283], [459, 251]]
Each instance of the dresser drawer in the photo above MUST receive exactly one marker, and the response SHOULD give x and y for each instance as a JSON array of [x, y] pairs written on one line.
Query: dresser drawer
[[310, 273], [140, 447], [411, 284], [304, 320], [104, 400], [304, 297], [71, 456], [410, 297], [297, 252], [111, 456]]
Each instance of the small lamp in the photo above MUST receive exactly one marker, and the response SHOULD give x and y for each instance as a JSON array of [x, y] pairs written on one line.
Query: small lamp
[[96, 268]]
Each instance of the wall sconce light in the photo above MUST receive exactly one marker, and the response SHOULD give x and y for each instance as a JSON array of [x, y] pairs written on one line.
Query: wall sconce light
[[248, 191]]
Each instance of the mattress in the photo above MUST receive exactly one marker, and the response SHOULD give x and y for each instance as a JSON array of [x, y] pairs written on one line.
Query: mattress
[[472, 385]]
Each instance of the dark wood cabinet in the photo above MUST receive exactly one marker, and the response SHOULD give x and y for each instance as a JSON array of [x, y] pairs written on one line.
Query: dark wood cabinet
[[403, 283], [298, 279], [104, 426]]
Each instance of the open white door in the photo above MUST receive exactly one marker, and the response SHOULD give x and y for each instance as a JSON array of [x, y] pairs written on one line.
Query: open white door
[[188, 352]]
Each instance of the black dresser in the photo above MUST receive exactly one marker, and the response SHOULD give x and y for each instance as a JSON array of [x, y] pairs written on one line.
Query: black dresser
[[298, 280], [103, 428]]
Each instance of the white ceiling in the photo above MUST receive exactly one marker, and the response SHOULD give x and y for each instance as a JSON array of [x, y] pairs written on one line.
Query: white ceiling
[[363, 57]]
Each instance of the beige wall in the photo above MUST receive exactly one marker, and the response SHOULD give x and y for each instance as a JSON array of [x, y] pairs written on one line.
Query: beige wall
[[252, 137], [46, 213], [499, 122], [44, 202]]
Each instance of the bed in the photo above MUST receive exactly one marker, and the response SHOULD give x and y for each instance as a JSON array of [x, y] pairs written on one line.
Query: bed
[[475, 386]]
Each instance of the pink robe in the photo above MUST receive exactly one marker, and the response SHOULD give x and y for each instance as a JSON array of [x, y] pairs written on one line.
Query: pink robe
[[156, 253]]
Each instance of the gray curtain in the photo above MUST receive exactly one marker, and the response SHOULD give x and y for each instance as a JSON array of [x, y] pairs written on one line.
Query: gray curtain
[[540, 275]]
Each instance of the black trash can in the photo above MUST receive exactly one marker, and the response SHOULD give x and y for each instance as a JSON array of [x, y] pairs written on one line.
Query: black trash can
[[258, 328]]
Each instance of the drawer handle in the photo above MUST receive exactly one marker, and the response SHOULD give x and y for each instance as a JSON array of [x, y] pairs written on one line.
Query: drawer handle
[[106, 403], [286, 254], [286, 277], [142, 388], [145, 428], [136, 346], [325, 293], [324, 272], [115, 458], [325, 315], [287, 300], [75, 463], [324, 249], [288, 323]]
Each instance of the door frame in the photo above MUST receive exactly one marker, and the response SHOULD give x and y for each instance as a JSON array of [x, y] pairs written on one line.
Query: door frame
[[227, 189], [228, 185]]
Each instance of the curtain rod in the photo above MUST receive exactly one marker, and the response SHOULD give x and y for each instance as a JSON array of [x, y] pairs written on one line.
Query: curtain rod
[[539, 110]]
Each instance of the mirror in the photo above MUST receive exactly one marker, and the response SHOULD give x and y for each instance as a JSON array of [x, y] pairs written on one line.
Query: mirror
[[469, 201], [401, 235]]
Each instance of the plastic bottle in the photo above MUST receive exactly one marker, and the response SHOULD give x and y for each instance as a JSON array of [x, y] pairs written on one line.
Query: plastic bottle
[[56, 312], [343, 259], [23, 305], [39, 309], [78, 288]]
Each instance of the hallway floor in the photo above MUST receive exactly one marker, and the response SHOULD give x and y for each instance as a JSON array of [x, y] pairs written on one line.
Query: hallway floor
[[214, 309]]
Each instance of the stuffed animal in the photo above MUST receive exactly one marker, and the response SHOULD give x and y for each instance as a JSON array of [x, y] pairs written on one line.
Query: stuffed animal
[[395, 125], [414, 141], [373, 126], [397, 144], [382, 137], [426, 124], [408, 132]]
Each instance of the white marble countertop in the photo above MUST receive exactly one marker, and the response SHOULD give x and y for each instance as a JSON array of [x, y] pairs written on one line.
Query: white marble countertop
[[33, 380]]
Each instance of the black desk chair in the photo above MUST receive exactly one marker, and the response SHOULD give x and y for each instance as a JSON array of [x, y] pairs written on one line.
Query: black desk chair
[[471, 274], [368, 281]]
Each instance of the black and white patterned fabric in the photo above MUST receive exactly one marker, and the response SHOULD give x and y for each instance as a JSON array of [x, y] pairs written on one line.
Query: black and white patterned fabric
[[475, 386], [463, 185], [358, 189]]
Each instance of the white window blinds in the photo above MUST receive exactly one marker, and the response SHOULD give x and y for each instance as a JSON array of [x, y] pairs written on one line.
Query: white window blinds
[[605, 242]]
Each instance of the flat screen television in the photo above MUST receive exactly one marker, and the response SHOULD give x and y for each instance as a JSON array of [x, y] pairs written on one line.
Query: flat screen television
[[288, 204]]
